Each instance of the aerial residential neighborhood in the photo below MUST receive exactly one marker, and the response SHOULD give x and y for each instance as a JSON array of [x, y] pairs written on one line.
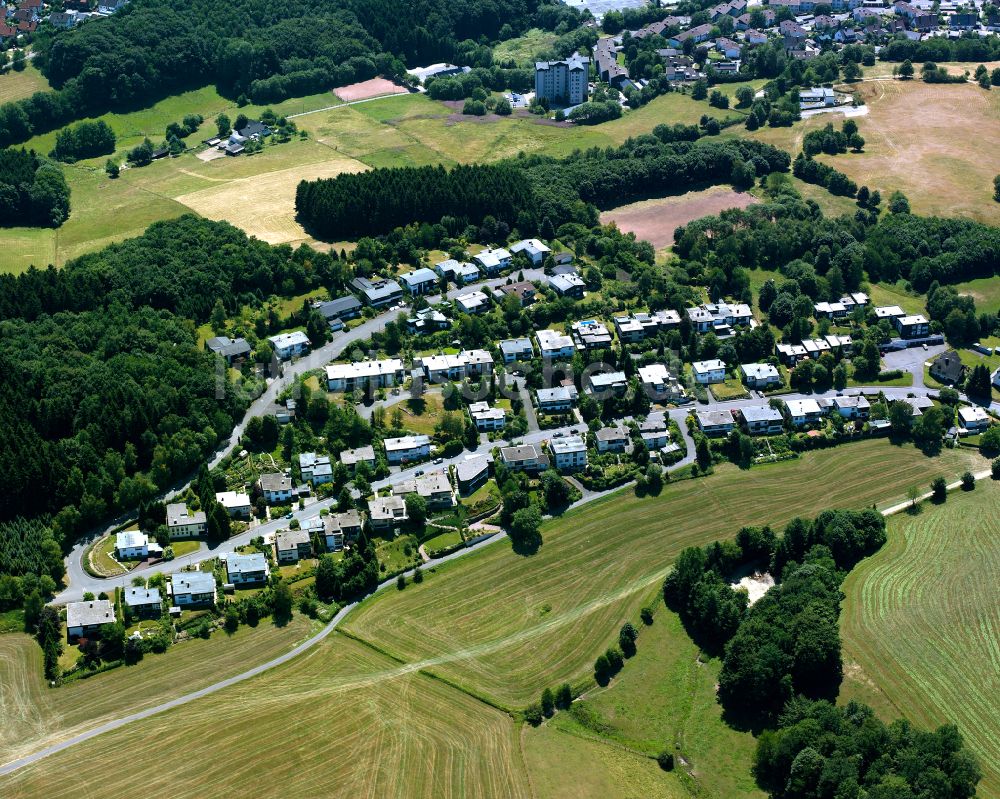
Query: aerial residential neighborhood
[[523, 398]]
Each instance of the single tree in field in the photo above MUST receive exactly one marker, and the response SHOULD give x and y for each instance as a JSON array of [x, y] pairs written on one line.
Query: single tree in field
[[996, 188], [906, 70], [968, 481], [548, 702], [913, 494], [939, 490], [995, 469]]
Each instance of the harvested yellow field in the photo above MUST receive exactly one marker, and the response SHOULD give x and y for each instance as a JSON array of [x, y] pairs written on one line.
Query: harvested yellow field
[[264, 205]]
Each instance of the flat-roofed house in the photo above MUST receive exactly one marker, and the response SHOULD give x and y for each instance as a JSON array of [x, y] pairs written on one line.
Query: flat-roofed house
[[660, 384], [524, 458], [292, 546], [407, 448], [804, 411], [591, 334], [472, 302], [377, 293], [974, 418], [760, 375], [459, 272], [193, 589], [889, 312], [711, 371], [339, 528], [85, 619], [472, 473], [315, 469], [236, 503], [555, 345], [715, 423], [762, 420], [131, 545], [604, 382], [386, 512], [487, 418], [568, 453], [912, 326], [250, 569], [491, 261], [353, 376], [556, 400], [288, 345], [182, 523], [517, 349], [853, 407], [466, 364]]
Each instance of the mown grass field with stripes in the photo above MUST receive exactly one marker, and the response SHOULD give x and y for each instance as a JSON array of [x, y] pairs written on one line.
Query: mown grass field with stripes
[[505, 626], [921, 623], [33, 715], [342, 720]]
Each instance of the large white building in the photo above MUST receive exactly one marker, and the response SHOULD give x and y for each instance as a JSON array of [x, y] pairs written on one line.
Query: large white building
[[468, 363], [569, 453], [351, 376], [407, 448], [563, 82], [553, 344], [288, 344]]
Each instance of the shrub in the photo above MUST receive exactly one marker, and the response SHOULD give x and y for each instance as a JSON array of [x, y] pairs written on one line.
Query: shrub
[[665, 760], [646, 615], [968, 481], [995, 469], [401, 582], [939, 489], [564, 696], [533, 714]]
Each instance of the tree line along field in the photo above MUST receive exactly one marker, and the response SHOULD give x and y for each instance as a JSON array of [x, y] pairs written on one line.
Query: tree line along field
[[596, 565], [256, 192], [921, 623], [496, 625]]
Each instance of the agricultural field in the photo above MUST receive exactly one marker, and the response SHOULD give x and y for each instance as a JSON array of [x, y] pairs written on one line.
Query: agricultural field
[[938, 144], [664, 698], [920, 621], [569, 598], [655, 220], [36, 716], [382, 730]]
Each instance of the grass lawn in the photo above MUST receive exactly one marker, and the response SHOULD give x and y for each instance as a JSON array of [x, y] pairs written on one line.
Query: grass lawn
[[182, 548], [101, 557], [906, 379], [523, 49], [35, 716], [919, 624], [896, 294], [665, 698], [398, 733], [443, 541], [731, 389], [18, 85], [567, 766], [393, 553], [569, 599], [985, 291], [421, 414]]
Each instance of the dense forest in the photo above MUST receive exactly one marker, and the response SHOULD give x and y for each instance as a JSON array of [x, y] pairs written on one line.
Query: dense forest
[[103, 409], [263, 52], [184, 266], [33, 191], [527, 191], [782, 666]]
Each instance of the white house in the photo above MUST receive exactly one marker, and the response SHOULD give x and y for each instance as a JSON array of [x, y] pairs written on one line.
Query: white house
[[315, 469], [276, 488], [601, 383], [974, 418], [533, 249], [292, 546], [760, 375], [236, 503], [181, 523], [353, 376], [611, 439], [287, 345], [713, 371], [466, 364], [856, 407], [516, 349], [555, 345], [386, 512], [487, 418], [525, 458], [340, 527], [659, 383], [492, 261], [591, 334], [556, 400], [131, 545], [567, 285], [249, 569], [715, 423], [193, 588], [762, 420], [457, 271], [419, 281], [352, 457], [804, 411], [407, 448], [472, 303], [568, 453], [85, 619]]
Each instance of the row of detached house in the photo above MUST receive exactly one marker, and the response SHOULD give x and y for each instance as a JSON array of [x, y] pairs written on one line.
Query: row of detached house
[[22, 17]]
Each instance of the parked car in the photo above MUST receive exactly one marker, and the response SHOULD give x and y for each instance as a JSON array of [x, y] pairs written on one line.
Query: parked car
[[419, 473], [439, 460]]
